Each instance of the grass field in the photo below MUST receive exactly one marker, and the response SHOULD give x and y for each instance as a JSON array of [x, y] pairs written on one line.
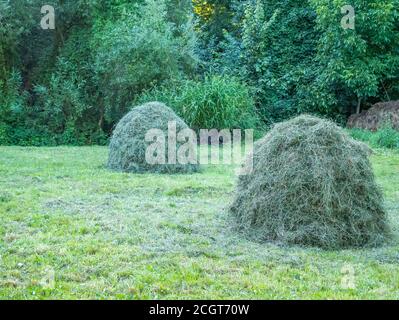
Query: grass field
[[71, 229]]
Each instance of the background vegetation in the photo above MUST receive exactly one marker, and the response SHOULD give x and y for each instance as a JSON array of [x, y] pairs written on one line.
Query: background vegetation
[[219, 63]]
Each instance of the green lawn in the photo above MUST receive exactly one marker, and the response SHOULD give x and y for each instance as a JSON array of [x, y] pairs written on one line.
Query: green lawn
[[102, 234]]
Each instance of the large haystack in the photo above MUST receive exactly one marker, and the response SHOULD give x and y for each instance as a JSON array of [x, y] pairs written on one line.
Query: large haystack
[[379, 115], [128, 145], [311, 185]]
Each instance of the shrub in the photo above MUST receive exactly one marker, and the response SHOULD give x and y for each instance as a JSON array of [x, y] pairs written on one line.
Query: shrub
[[311, 185], [13, 107], [386, 137], [271, 31], [69, 106], [217, 102], [4, 139], [128, 146], [360, 134], [139, 50]]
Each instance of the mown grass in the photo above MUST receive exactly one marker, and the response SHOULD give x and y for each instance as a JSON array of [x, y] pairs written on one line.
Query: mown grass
[[107, 235]]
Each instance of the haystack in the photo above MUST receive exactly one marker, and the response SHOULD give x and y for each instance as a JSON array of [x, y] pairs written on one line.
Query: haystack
[[379, 115], [127, 150], [311, 185]]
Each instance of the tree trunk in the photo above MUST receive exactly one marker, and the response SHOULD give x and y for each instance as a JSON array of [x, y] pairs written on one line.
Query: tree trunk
[[359, 104]]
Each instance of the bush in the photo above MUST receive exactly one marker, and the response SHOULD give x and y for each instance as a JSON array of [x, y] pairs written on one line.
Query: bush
[[4, 138], [217, 102], [67, 106], [13, 107], [386, 137], [311, 185], [360, 134], [277, 45], [137, 51], [128, 145]]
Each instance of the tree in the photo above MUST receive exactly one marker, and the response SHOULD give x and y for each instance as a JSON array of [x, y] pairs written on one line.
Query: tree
[[278, 48], [138, 51], [364, 61]]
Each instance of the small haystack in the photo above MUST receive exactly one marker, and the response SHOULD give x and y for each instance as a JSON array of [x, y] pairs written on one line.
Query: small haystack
[[311, 185], [379, 115], [127, 150]]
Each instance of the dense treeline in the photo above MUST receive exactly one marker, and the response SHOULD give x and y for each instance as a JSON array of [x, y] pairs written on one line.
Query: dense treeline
[[219, 63]]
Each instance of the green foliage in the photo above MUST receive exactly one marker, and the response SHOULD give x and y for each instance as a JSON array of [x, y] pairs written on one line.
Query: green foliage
[[76, 82], [273, 51], [4, 139], [216, 102], [138, 51], [299, 58], [360, 63], [12, 107], [386, 137], [51, 68], [12, 99], [214, 16], [66, 105]]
